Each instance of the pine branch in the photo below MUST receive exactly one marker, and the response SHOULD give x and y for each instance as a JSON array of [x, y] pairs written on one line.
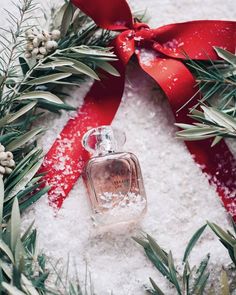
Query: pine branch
[[10, 46], [217, 83], [213, 123], [192, 280], [26, 86]]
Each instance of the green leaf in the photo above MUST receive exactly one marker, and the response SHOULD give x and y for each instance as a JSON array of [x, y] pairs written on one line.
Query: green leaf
[[19, 254], [108, 68], [224, 283], [83, 68], [15, 224], [141, 242], [85, 50], [157, 250], [48, 79], [1, 203], [24, 65], [58, 16], [173, 273], [155, 287], [226, 55], [220, 118], [12, 290], [4, 247], [197, 133], [54, 64], [67, 18], [24, 181], [34, 198], [6, 268], [216, 140], [21, 112], [193, 242], [158, 263], [202, 277], [27, 232], [4, 120], [222, 234], [48, 96], [23, 139], [28, 286], [201, 284]]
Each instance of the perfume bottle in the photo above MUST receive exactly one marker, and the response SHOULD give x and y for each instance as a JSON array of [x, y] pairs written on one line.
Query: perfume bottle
[[113, 179]]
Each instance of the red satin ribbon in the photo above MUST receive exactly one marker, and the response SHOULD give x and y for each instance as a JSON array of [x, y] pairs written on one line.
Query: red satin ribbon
[[160, 54]]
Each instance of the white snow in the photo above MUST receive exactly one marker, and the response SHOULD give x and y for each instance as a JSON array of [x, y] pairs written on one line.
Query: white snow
[[180, 199]]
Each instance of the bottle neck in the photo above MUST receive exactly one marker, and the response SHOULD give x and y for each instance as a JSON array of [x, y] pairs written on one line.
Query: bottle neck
[[106, 144], [103, 140]]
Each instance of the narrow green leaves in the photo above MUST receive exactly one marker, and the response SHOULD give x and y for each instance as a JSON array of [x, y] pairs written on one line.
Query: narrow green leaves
[[1, 204], [108, 68], [23, 139], [193, 242], [216, 124], [6, 249], [173, 273], [21, 112], [226, 55], [55, 64], [157, 250], [12, 290], [15, 224], [48, 79], [81, 68], [156, 288], [223, 235], [227, 239], [216, 81], [35, 95], [67, 18]]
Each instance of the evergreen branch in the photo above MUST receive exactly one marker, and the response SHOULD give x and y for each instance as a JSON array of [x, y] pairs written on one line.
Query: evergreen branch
[[217, 83], [192, 280], [213, 123], [79, 55]]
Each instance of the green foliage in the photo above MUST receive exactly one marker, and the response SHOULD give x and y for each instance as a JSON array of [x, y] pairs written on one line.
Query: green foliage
[[22, 267], [37, 84], [217, 83], [191, 280], [228, 239], [26, 86]]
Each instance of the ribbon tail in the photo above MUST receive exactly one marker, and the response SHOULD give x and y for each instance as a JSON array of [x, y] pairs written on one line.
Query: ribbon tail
[[65, 161], [217, 162]]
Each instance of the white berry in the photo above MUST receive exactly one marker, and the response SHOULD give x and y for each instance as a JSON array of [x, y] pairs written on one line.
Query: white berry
[[29, 47], [43, 50], [2, 148], [36, 42], [28, 55], [35, 51], [51, 45], [56, 34]]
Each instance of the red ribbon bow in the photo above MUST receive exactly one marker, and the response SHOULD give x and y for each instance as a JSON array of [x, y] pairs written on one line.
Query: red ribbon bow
[[160, 54]]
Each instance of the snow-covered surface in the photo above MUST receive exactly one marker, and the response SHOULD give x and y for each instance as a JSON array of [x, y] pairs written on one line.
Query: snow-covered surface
[[180, 199]]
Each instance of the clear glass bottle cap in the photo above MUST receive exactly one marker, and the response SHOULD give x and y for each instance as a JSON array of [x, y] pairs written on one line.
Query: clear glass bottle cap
[[103, 139]]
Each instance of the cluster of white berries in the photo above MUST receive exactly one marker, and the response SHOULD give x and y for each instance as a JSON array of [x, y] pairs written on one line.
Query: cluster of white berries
[[6, 161], [40, 44]]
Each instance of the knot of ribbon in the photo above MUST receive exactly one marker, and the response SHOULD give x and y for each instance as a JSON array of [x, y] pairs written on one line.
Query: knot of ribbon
[[161, 53]]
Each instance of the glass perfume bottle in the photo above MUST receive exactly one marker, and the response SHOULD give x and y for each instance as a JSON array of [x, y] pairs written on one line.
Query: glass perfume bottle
[[113, 179]]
